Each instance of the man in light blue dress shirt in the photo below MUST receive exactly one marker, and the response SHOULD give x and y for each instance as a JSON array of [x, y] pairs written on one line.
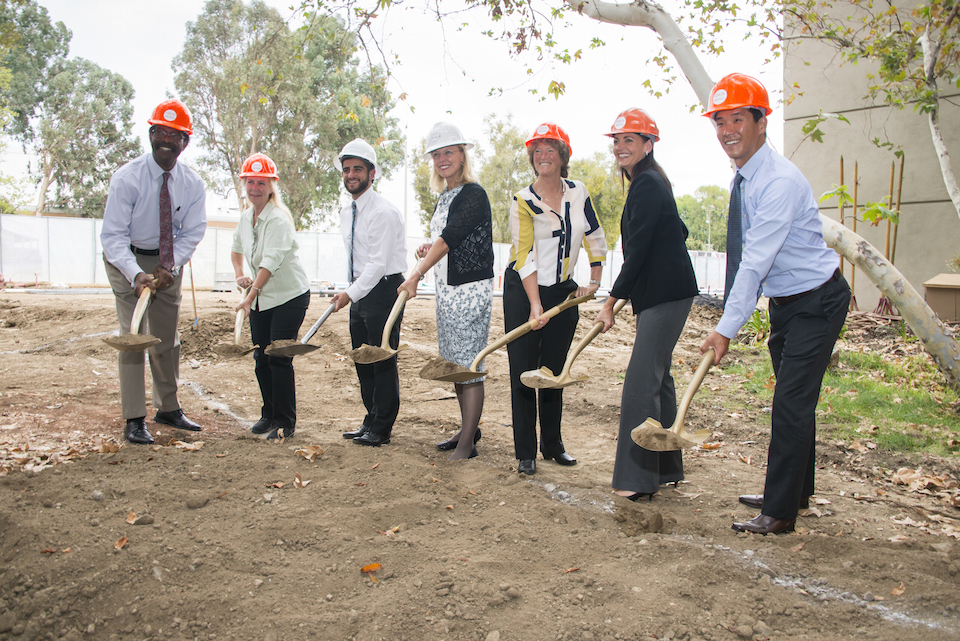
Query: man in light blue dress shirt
[[785, 258]]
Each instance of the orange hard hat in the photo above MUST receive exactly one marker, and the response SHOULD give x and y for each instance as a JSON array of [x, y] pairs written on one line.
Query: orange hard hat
[[173, 114], [260, 166], [635, 121], [551, 131], [735, 91]]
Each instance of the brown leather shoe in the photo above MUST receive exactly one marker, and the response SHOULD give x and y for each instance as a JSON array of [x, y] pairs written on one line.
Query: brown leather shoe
[[756, 501], [763, 524]]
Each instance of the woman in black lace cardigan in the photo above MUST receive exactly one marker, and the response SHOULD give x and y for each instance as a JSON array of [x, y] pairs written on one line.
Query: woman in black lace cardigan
[[462, 253]]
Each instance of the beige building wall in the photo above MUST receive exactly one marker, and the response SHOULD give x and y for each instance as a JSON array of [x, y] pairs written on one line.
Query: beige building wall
[[929, 232]]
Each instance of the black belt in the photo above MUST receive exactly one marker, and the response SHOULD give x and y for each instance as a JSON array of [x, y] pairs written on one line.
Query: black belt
[[145, 252], [783, 300]]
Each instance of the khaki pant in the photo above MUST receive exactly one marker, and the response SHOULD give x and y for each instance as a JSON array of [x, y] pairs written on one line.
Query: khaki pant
[[161, 321]]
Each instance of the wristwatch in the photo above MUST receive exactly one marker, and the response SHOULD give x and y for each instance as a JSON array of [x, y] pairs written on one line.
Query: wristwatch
[[595, 282]]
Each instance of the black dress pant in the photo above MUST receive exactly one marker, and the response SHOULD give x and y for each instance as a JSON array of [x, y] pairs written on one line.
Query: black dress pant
[[379, 382], [802, 335], [546, 347], [275, 373]]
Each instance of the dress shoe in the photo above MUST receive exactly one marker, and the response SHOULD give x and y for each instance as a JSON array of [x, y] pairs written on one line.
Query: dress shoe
[[564, 459], [355, 433], [135, 431], [372, 438], [278, 431], [756, 501], [527, 466], [263, 426], [638, 496], [763, 524], [451, 444], [177, 420]]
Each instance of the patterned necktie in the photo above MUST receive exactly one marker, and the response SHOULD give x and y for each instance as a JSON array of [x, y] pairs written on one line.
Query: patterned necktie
[[166, 226], [734, 238], [353, 229]]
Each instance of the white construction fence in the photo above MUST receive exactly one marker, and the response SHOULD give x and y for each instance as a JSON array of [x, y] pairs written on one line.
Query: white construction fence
[[67, 251]]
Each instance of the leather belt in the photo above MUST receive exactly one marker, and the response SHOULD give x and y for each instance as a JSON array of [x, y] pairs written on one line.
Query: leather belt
[[145, 252], [783, 300]]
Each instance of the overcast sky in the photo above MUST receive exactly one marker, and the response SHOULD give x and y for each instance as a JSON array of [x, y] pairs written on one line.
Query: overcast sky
[[447, 75]]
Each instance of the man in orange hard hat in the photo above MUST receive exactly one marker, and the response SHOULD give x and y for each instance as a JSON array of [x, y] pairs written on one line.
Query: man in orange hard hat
[[775, 246], [154, 219]]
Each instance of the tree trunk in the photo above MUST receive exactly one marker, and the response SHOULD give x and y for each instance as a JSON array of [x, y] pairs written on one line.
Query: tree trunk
[[44, 184], [930, 54], [922, 320]]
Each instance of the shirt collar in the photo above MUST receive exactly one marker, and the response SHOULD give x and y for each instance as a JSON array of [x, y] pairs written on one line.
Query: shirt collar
[[156, 171], [364, 198], [750, 168]]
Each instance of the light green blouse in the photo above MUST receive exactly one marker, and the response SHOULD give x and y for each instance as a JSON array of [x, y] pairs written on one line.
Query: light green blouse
[[272, 245]]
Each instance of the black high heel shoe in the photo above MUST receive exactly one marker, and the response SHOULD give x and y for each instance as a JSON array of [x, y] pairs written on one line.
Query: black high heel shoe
[[451, 444], [637, 496]]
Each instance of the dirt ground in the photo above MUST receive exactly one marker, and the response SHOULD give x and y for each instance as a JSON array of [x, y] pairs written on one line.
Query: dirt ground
[[240, 538]]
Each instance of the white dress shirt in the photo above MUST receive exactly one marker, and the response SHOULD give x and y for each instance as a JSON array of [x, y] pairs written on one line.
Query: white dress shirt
[[132, 214], [379, 246]]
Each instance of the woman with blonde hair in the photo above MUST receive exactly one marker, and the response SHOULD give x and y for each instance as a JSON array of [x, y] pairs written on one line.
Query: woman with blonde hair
[[279, 292], [461, 253]]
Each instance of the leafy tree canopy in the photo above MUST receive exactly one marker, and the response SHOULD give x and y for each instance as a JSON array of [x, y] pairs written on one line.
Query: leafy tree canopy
[[705, 215]]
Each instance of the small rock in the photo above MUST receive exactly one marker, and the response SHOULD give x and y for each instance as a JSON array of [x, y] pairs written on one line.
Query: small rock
[[267, 498], [742, 631], [144, 519], [96, 495], [7, 621], [513, 593], [764, 582], [257, 583], [762, 629], [48, 503], [197, 502], [944, 547], [158, 574], [868, 597], [493, 636], [352, 617], [504, 587]]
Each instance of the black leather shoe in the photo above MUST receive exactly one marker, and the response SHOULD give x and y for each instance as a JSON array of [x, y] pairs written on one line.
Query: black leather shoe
[[756, 501], [263, 426], [355, 433], [763, 524], [564, 459], [286, 432], [372, 438], [527, 466], [177, 420], [135, 431], [638, 496], [451, 444]]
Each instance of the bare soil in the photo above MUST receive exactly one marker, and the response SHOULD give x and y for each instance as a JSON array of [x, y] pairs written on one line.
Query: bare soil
[[222, 535]]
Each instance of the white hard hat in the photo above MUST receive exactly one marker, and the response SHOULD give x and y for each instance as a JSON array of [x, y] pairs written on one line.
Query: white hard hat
[[443, 134], [358, 148]]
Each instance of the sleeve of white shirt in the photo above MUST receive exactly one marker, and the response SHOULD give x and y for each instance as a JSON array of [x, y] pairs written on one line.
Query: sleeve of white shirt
[[115, 232], [774, 213], [386, 228], [193, 228]]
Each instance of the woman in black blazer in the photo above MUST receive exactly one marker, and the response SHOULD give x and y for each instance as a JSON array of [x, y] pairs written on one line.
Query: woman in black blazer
[[657, 276]]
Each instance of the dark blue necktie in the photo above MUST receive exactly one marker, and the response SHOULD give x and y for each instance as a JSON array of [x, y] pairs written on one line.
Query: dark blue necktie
[[734, 238], [353, 230]]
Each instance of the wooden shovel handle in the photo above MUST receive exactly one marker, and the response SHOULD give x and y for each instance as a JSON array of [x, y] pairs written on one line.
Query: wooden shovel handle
[[594, 331], [394, 313], [708, 358], [570, 301], [139, 310], [238, 324]]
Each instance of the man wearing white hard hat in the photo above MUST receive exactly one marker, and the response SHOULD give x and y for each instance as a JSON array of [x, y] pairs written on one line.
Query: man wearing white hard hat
[[373, 233], [154, 219]]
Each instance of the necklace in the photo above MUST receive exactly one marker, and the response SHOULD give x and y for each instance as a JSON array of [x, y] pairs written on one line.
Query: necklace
[[557, 196]]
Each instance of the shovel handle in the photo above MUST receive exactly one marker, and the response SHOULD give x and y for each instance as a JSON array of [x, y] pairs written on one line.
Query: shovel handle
[[592, 334], [238, 324], [313, 330], [570, 301], [139, 310], [708, 358], [394, 313]]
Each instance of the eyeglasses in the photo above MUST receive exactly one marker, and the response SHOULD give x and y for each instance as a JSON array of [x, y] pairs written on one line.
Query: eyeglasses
[[168, 133]]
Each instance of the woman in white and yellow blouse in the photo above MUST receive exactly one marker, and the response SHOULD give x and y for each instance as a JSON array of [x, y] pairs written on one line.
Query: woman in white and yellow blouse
[[279, 291], [550, 220]]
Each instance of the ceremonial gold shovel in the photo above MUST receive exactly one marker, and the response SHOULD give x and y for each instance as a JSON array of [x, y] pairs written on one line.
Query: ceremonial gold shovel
[[442, 370], [544, 377], [298, 348], [651, 435], [234, 350], [133, 341]]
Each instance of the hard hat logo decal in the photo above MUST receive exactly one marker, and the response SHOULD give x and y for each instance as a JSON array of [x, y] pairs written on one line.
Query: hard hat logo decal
[[170, 115], [720, 97], [434, 137], [257, 166], [619, 122], [542, 129]]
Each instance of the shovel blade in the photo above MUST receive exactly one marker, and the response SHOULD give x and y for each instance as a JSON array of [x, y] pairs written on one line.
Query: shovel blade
[[445, 371], [290, 350], [368, 354], [231, 350], [132, 342]]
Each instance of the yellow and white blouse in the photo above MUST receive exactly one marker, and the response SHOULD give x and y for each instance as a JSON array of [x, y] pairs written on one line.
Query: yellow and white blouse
[[548, 242]]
